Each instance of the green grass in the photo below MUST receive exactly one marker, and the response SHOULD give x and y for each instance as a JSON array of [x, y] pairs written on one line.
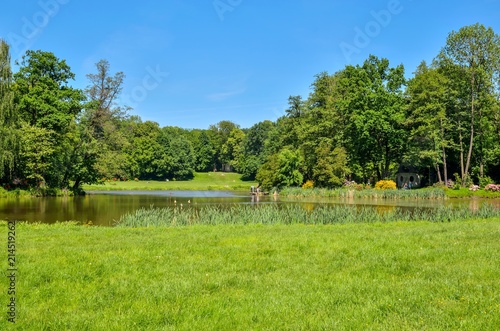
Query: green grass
[[381, 276], [201, 181]]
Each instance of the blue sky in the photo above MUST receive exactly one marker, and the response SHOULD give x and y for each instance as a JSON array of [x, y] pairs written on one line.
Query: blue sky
[[195, 63]]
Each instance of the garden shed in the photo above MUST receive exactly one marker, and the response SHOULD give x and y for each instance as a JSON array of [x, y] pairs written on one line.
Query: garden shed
[[407, 175]]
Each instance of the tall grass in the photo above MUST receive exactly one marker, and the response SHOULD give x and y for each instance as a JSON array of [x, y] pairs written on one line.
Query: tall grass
[[428, 193], [293, 214]]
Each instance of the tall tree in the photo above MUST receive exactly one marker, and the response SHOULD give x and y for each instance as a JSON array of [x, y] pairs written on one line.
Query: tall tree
[[427, 120], [104, 116], [49, 107], [374, 134], [473, 51], [8, 116], [204, 152], [220, 134]]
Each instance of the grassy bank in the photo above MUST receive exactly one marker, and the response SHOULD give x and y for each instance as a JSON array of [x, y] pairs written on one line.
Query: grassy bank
[[417, 194], [201, 181], [428, 193], [393, 276]]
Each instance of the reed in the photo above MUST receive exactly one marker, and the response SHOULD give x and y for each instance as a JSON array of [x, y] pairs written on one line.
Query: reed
[[294, 214]]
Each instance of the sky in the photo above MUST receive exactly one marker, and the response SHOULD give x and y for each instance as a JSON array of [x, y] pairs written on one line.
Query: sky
[[195, 63]]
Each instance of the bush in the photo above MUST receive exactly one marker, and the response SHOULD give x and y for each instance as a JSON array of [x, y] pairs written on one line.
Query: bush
[[484, 181], [308, 184], [492, 188], [385, 185], [474, 188]]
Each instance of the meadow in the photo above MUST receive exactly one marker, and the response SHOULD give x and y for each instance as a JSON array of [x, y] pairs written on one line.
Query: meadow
[[201, 181], [353, 276]]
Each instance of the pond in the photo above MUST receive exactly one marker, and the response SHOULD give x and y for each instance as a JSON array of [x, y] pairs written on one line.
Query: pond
[[105, 207]]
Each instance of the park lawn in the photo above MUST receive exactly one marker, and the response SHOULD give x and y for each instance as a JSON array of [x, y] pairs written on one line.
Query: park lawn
[[201, 181], [380, 276]]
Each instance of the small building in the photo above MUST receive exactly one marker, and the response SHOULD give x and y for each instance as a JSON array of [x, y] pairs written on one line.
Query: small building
[[407, 177]]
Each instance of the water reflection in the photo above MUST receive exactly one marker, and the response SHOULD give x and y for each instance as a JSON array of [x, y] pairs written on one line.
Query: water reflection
[[103, 207]]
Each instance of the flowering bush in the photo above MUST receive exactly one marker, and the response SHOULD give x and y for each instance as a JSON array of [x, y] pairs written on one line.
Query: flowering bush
[[492, 188], [308, 184], [348, 183], [385, 185], [474, 188]]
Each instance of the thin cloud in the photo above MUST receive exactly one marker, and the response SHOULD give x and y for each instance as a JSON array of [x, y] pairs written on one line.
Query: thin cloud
[[220, 96]]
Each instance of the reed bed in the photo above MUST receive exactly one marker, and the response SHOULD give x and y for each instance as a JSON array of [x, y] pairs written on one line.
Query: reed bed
[[423, 194], [293, 214]]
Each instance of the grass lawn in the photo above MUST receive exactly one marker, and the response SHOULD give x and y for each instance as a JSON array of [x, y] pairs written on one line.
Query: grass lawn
[[381, 276], [201, 181]]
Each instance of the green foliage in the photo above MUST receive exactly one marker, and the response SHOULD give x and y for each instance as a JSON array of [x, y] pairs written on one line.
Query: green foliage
[[253, 152], [266, 175], [471, 57], [331, 168], [289, 164], [483, 181], [204, 152], [231, 151], [9, 139], [42, 93]]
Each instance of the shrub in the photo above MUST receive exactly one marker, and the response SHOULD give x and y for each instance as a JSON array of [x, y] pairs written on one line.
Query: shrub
[[484, 181], [308, 184], [492, 188], [474, 188], [385, 185]]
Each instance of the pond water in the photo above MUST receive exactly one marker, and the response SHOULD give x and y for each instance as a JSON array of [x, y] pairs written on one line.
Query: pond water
[[106, 207]]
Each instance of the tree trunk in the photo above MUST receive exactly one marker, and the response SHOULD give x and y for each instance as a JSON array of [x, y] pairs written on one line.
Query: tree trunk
[[462, 171], [445, 170], [469, 154], [436, 165]]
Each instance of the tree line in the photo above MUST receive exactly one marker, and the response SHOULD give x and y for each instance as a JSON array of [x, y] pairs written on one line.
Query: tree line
[[359, 123]]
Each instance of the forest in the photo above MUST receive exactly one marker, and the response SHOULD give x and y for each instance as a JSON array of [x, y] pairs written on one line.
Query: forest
[[360, 123]]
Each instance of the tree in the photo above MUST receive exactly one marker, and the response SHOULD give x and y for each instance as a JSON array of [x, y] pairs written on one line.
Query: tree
[[231, 150], [473, 54], [103, 92], [429, 126], [49, 108], [254, 149], [45, 100], [281, 170], [220, 134], [204, 152], [374, 133], [104, 119], [9, 142], [331, 168]]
